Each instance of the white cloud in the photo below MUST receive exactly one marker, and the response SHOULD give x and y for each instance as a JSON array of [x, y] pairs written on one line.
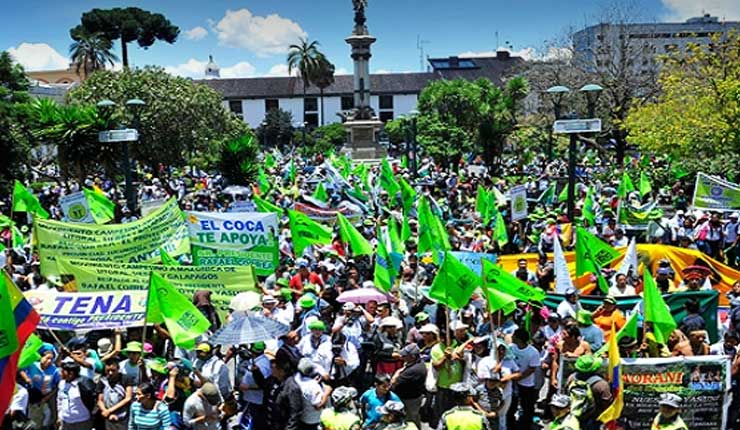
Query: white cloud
[[386, 71], [680, 10], [528, 54], [342, 71], [197, 69], [196, 33], [263, 35], [38, 56], [278, 70]]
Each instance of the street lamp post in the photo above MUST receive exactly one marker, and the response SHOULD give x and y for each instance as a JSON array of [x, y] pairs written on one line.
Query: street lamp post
[[264, 134], [414, 164], [556, 93], [133, 105]]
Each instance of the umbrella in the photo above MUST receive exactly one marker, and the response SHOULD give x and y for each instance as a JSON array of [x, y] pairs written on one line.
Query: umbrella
[[246, 328], [245, 301], [236, 190], [362, 296]]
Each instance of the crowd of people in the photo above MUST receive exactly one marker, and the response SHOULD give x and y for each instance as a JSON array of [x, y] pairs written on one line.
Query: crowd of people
[[403, 362]]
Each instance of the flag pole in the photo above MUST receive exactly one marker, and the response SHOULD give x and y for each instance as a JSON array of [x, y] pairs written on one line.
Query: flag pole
[[142, 374]]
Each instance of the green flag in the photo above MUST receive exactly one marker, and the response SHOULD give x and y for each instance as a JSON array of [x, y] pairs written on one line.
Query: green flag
[[548, 196], [454, 283], [679, 171], [387, 181], [305, 231], [498, 300], [563, 196], [500, 234], [625, 186], [405, 228], [30, 352], [408, 195], [8, 328], [270, 161], [656, 311], [101, 208], [356, 193], [166, 305], [292, 172], [629, 329], [645, 186], [357, 243], [25, 201], [431, 231], [397, 247], [167, 259], [404, 162], [495, 277], [265, 206], [262, 182], [481, 201], [320, 193], [383, 272], [591, 255]]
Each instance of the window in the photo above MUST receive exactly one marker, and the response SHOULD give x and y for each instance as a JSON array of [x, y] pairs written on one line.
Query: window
[[271, 104], [348, 102], [311, 119], [385, 102], [310, 104], [386, 116], [235, 106]]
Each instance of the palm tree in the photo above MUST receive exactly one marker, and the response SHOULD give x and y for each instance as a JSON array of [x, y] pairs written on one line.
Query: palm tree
[[91, 52], [304, 57], [323, 77]]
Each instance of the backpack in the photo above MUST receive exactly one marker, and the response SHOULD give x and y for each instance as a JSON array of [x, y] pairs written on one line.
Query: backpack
[[87, 394], [581, 396]]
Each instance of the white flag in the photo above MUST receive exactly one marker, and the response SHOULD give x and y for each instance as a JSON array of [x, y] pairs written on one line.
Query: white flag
[[562, 274], [629, 260]]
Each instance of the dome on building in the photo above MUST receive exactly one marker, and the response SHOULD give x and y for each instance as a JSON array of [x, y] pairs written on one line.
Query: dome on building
[[212, 69]]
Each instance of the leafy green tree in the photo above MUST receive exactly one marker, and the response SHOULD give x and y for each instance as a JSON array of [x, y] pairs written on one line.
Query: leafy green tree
[[237, 161], [14, 134], [304, 57], [396, 130], [696, 119], [180, 120], [323, 77], [323, 139], [277, 130], [91, 52], [126, 25]]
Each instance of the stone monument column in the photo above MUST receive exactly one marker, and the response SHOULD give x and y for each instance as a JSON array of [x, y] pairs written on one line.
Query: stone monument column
[[361, 122]]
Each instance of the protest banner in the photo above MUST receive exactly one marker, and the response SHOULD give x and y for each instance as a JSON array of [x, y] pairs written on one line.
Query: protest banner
[[712, 193], [518, 196], [701, 381], [84, 311], [135, 242], [235, 239], [473, 259], [708, 303], [149, 206], [224, 282], [638, 218], [76, 208], [318, 214]]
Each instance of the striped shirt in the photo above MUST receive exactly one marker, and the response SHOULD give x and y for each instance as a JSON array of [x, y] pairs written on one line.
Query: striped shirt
[[157, 418]]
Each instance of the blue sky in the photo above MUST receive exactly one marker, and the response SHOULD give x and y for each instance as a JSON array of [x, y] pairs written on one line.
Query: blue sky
[[250, 38]]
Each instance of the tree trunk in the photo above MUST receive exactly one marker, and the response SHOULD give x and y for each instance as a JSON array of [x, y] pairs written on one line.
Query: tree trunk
[[621, 146], [124, 53]]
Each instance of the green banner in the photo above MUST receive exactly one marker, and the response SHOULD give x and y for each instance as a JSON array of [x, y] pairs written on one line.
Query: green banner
[[135, 242], [235, 239], [708, 301], [715, 194], [638, 217], [224, 282]]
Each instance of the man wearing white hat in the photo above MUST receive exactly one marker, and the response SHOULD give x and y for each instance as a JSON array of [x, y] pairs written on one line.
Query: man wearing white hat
[[669, 417]]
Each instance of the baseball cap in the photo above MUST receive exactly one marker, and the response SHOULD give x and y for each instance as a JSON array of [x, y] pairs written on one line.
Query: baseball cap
[[203, 347], [410, 349], [104, 346], [670, 399], [210, 392]]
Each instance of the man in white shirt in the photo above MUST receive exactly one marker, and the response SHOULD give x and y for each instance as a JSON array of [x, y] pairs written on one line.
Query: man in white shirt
[[75, 398], [315, 394], [527, 359], [621, 288], [337, 359], [570, 306], [213, 369]]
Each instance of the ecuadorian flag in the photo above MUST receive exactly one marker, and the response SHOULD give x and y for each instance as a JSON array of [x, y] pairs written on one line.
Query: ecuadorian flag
[[13, 334], [614, 411]]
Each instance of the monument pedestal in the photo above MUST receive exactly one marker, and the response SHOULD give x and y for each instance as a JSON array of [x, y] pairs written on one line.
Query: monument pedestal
[[363, 144]]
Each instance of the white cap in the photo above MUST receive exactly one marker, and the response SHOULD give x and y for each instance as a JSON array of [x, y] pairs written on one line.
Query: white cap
[[368, 284], [391, 322], [458, 325]]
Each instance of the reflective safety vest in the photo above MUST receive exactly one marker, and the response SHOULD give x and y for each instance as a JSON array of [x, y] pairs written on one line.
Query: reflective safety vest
[[566, 422], [332, 420], [676, 424], [464, 418]]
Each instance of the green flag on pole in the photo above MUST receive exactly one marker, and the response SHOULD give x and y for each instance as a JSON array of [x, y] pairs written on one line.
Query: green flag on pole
[[408, 195], [262, 182], [305, 232], [25, 201], [167, 259], [656, 311], [101, 208], [498, 300], [30, 352], [387, 181], [320, 193], [548, 196], [454, 283], [563, 196], [495, 277], [397, 247], [625, 186], [591, 255], [588, 207], [265, 206], [357, 243], [502, 238], [8, 328], [628, 330], [383, 271], [405, 228], [184, 321], [481, 201], [645, 186]]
